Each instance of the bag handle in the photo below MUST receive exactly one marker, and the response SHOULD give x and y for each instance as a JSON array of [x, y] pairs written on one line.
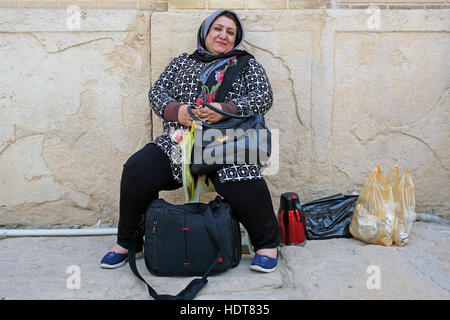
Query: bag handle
[[224, 113], [195, 285], [301, 214], [242, 118]]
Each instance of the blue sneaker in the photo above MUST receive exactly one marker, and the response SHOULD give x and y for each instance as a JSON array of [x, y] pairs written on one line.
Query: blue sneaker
[[263, 263], [114, 260]]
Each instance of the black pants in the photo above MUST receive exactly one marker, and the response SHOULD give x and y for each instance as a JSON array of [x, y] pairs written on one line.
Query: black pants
[[148, 171]]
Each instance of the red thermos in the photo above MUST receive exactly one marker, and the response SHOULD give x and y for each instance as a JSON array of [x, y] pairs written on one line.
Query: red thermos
[[291, 220]]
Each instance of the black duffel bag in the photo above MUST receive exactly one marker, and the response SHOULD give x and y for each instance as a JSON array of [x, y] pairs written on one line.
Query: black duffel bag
[[193, 239]]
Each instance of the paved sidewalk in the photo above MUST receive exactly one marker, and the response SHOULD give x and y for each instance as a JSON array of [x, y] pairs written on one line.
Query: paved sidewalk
[[46, 268]]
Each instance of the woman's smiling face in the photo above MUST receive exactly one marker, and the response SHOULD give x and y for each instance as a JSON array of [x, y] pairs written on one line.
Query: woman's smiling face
[[221, 36]]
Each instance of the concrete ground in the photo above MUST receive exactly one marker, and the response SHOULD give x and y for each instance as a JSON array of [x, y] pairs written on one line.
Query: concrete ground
[[68, 268]]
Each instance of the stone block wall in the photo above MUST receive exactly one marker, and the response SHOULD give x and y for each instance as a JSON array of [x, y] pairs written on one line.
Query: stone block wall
[[73, 108], [174, 5], [352, 90]]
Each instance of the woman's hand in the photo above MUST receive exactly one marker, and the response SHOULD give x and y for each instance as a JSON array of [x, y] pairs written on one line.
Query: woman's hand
[[207, 115], [183, 116]]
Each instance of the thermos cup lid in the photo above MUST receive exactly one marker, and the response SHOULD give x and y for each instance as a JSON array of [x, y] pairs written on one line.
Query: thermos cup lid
[[287, 201]]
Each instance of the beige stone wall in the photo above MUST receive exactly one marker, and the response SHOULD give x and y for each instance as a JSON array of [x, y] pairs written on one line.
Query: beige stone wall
[[351, 91], [173, 5], [73, 107]]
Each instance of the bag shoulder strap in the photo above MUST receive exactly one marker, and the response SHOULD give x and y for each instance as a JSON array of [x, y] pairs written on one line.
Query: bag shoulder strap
[[195, 285]]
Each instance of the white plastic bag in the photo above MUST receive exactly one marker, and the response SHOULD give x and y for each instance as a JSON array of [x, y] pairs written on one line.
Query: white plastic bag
[[384, 212], [405, 204]]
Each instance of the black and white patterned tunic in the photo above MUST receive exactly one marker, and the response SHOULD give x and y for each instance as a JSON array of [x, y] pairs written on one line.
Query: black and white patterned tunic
[[251, 90]]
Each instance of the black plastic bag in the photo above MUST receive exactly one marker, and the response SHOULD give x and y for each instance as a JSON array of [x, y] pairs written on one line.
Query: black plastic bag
[[329, 217]]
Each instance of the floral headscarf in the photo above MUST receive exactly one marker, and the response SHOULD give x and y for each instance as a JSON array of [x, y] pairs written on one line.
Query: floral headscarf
[[221, 69]]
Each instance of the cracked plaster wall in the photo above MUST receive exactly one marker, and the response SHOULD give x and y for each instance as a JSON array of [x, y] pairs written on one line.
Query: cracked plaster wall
[[74, 106]]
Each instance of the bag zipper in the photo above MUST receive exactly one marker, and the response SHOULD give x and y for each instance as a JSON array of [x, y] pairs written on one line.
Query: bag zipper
[[186, 256], [155, 226], [236, 242]]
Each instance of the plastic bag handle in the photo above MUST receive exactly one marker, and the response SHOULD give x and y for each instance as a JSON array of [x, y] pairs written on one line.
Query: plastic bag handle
[[397, 176], [407, 176]]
